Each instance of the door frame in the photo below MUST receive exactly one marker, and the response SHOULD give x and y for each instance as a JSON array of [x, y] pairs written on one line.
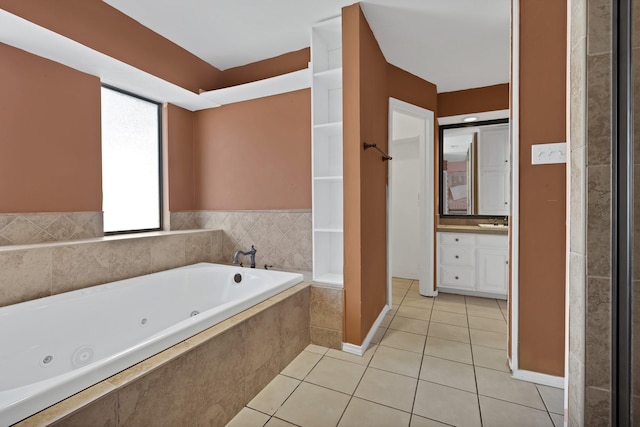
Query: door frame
[[426, 189]]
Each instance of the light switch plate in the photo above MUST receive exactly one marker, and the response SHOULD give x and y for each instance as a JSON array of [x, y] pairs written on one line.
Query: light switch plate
[[543, 154]]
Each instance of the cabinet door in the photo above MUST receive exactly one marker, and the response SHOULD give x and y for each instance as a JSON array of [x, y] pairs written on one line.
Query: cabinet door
[[493, 148], [493, 192], [492, 268], [494, 171]]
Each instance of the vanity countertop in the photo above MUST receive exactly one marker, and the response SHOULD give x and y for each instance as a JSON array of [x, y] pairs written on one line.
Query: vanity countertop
[[454, 228]]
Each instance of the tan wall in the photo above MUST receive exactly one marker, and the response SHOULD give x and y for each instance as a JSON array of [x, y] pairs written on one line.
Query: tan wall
[[49, 136], [255, 154], [282, 64], [101, 27], [542, 187], [351, 152], [374, 128], [477, 100], [412, 89], [269, 137], [179, 128], [368, 82]]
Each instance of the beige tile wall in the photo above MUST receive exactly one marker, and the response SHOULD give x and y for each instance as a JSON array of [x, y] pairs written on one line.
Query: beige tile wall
[[30, 272], [326, 316], [596, 160], [282, 237], [577, 220], [26, 228], [205, 380]]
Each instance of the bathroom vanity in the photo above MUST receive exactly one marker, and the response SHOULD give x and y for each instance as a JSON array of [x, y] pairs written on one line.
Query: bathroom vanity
[[472, 260]]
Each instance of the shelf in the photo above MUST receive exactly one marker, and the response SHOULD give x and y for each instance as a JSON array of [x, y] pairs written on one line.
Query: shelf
[[327, 152], [284, 83], [331, 79], [326, 46], [329, 278], [328, 178], [327, 230], [327, 104], [329, 129]]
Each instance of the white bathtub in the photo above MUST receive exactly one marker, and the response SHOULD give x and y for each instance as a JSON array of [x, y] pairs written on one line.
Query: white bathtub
[[56, 346]]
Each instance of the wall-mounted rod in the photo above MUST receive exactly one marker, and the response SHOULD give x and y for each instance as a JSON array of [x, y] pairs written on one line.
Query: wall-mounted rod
[[385, 156]]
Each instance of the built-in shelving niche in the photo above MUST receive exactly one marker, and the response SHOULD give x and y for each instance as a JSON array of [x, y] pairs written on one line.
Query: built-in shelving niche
[[326, 91]]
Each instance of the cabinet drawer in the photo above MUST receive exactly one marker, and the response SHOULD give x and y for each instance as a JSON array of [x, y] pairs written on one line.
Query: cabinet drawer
[[489, 241], [462, 278], [457, 239], [456, 255]]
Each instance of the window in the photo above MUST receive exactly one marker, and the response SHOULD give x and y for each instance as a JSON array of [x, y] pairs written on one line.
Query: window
[[131, 189]]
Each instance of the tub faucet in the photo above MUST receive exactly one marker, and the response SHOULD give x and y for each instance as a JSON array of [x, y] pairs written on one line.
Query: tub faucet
[[251, 253]]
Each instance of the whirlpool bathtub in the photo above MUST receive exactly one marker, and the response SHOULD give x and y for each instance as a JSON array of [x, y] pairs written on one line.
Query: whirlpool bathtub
[[53, 347]]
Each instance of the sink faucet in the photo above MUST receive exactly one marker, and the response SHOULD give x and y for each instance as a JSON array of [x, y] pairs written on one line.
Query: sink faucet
[[251, 253]]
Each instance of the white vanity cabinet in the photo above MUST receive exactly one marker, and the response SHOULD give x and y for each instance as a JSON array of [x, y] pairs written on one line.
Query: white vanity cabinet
[[473, 264]]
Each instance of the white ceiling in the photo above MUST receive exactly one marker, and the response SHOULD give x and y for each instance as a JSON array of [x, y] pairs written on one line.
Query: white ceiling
[[456, 44]]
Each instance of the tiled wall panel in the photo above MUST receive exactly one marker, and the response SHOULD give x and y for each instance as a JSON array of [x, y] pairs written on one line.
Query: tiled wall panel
[[282, 238], [32, 272], [327, 307], [21, 229]]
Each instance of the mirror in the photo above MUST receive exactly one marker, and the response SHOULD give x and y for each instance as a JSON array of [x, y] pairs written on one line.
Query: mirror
[[475, 169]]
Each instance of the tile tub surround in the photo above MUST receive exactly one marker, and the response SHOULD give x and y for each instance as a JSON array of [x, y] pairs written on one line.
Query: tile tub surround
[[34, 271], [204, 380], [327, 307], [27, 228], [282, 237]]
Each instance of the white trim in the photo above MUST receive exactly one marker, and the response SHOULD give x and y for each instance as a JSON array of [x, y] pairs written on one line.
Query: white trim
[[25, 35], [568, 122], [446, 290], [276, 85], [515, 181], [538, 378], [359, 350], [426, 190], [486, 115]]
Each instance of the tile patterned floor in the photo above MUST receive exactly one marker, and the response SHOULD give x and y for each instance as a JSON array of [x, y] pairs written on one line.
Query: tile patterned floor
[[434, 362]]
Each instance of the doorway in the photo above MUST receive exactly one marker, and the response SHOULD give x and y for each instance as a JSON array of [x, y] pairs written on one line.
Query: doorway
[[410, 203]]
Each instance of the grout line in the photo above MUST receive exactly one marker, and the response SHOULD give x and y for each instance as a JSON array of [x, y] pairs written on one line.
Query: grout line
[[544, 403], [473, 363], [424, 348], [366, 367], [515, 403]]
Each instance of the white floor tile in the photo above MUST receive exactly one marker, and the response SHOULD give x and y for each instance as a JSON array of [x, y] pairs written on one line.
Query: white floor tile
[[361, 413], [447, 405], [498, 413], [553, 398], [386, 388], [313, 406]]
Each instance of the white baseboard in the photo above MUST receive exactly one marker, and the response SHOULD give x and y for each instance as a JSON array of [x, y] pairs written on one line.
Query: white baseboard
[[538, 378], [446, 290], [359, 350]]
